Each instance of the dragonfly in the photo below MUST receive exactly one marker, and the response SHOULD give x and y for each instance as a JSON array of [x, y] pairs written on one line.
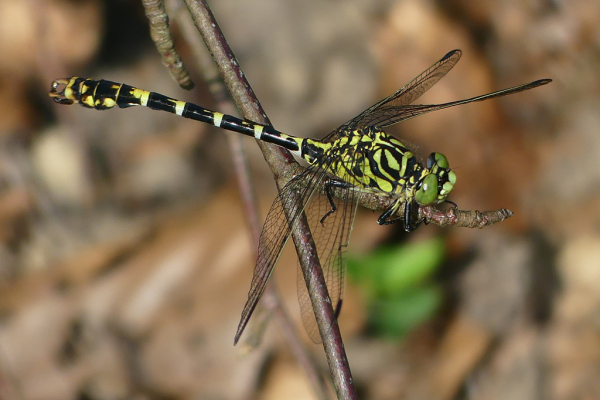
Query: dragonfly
[[356, 158]]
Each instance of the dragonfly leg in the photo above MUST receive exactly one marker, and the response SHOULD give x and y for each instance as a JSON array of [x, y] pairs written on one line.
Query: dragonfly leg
[[384, 219], [331, 183], [410, 217], [451, 202]]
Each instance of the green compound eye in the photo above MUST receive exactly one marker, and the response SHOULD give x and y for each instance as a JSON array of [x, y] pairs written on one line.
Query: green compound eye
[[448, 185], [428, 192], [441, 160], [452, 178], [437, 160]]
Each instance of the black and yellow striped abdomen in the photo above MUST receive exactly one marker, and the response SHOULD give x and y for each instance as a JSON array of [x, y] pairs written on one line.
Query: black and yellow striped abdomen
[[102, 95]]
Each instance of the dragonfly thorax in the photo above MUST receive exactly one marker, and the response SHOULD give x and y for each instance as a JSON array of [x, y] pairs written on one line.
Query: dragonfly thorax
[[373, 160]]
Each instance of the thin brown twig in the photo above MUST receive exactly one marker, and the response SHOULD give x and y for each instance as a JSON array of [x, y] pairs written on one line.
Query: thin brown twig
[[270, 297], [427, 214], [279, 161], [463, 218], [163, 40]]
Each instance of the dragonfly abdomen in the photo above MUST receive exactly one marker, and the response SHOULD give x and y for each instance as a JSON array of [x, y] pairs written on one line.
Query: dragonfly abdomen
[[103, 94]]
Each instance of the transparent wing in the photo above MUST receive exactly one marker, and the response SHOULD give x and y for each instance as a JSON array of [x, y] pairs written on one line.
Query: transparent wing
[[275, 234], [393, 114], [331, 238], [409, 93]]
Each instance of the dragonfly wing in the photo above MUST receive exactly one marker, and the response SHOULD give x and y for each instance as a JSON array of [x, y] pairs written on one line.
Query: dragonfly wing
[[275, 234], [409, 93], [395, 114], [331, 238]]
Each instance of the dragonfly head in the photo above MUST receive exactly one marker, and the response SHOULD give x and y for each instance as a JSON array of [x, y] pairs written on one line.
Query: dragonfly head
[[436, 182]]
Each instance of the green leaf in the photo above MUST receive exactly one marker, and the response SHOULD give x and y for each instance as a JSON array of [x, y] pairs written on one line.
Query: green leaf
[[391, 270], [411, 265], [397, 317]]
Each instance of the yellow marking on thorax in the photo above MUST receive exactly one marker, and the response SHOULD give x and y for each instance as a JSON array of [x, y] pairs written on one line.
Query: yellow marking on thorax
[[392, 161], [377, 159], [321, 145], [384, 184], [407, 155], [395, 141]]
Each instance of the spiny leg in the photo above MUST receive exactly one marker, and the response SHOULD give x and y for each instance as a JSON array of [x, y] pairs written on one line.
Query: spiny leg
[[385, 218], [410, 218], [454, 205], [328, 186]]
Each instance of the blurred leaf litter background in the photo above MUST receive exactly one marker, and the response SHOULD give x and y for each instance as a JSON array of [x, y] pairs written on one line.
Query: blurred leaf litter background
[[124, 255]]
